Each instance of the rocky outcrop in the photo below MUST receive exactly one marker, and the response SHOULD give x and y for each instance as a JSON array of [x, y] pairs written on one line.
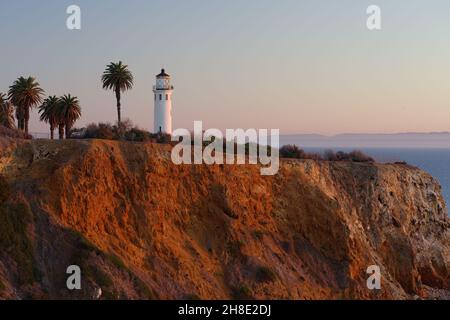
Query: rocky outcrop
[[140, 227]]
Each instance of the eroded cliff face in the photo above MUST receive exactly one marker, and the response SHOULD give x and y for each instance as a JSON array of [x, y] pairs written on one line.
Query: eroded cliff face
[[140, 227]]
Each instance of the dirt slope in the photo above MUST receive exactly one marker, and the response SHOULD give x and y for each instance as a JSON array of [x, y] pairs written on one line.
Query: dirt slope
[[140, 227]]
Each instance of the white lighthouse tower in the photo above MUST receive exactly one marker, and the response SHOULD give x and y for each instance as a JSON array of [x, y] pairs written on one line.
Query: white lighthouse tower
[[163, 103]]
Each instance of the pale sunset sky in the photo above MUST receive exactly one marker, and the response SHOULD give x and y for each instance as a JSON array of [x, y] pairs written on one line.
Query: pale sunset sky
[[303, 66]]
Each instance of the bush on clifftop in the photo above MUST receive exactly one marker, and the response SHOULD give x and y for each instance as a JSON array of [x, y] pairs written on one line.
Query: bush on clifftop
[[13, 133], [294, 152], [125, 131]]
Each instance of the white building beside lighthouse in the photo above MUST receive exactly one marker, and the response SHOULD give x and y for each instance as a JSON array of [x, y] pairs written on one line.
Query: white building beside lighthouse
[[163, 103]]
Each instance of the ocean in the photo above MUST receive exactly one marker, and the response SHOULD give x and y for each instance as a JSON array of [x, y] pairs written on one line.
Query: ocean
[[434, 161]]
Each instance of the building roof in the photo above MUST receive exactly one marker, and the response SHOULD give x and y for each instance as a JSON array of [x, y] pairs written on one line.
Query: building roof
[[163, 74]]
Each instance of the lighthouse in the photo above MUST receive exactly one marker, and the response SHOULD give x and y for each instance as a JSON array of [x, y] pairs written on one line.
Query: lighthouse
[[163, 103]]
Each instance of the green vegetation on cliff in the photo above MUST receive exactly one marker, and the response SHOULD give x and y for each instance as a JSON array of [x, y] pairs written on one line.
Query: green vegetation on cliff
[[14, 239]]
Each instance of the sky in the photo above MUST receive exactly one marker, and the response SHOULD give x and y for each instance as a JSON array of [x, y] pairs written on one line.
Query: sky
[[302, 66]]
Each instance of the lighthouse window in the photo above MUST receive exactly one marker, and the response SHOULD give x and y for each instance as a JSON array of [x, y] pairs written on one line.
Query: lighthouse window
[[155, 96], [167, 97], [160, 97]]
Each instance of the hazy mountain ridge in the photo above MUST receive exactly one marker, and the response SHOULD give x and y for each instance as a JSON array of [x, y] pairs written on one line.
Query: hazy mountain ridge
[[367, 140]]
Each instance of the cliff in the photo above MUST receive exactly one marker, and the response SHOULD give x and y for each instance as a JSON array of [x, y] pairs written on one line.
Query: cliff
[[142, 228]]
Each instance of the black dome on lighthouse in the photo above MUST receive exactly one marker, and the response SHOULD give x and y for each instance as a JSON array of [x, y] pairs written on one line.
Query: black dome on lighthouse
[[163, 74]]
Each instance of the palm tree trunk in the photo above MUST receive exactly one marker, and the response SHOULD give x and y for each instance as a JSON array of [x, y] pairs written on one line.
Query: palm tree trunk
[[67, 131], [27, 119], [118, 107], [61, 131], [52, 134], [19, 117]]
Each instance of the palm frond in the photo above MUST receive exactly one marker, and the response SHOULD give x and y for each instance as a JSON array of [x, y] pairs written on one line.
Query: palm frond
[[69, 110], [25, 92], [6, 112], [117, 76], [49, 110]]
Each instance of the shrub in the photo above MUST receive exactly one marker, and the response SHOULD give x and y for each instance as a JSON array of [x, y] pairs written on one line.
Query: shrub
[[14, 133], [259, 148], [100, 277], [163, 138], [124, 131], [235, 248], [265, 274], [330, 155], [137, 135], [290, 151], [123, 127], [359, 156], [354, 156], [242, 292], [14, 239], [293, 152], [100, 131]]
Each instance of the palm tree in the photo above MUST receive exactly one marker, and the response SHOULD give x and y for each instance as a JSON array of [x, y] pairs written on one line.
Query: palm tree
[[25, 93], [6, 112], [69, 112], [49, 113], [118, 78]]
